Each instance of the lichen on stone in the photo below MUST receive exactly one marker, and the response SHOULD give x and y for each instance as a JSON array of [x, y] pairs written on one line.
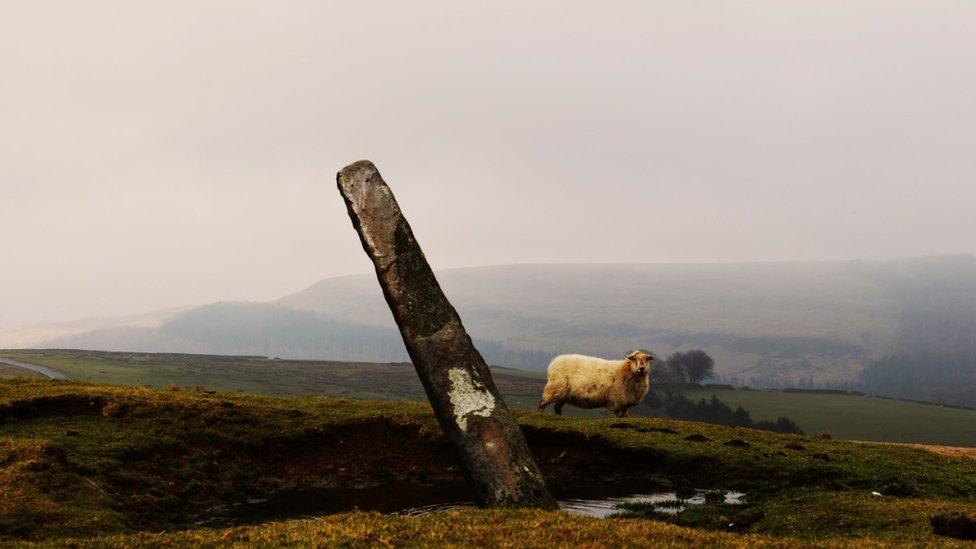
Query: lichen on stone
[[468, 397]]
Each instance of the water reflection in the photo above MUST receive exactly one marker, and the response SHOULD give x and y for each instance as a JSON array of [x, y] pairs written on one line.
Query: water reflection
[[662, 502]]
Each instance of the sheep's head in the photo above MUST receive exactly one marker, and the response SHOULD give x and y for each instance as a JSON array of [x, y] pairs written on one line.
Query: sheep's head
[[640, 362]]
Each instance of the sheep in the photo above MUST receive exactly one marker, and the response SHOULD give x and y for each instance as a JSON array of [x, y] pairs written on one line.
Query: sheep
[[590, 382]]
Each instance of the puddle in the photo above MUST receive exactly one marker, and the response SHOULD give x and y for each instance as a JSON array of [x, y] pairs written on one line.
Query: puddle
[[418, 500], [662, 502]]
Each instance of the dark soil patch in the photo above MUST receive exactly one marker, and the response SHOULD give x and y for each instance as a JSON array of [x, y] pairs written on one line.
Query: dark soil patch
[[664, 430], [697, 437], [53, 406], [379, 465], [376, 464], [568, 457], [737, 443], [360, 454], [642, 428], [899, 489], [954, 525], [744, 521]]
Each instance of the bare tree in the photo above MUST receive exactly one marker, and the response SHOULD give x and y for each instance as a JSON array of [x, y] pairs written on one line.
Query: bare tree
[[696, 365], [458, 383]]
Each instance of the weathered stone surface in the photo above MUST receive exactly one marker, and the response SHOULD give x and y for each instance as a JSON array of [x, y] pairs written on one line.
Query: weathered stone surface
[[455, 376]]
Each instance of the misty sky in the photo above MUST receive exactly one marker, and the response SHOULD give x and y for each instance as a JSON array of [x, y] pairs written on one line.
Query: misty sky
[[176, 153]]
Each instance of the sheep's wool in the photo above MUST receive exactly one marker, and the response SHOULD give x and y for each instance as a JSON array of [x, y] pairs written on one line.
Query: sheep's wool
[[468, 397], [591, 382]]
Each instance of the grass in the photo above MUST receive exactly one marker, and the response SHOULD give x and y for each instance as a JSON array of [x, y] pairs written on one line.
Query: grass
[[78, 459], [855, 417], [844, 416], [397, 381], [465, 528], [260, 375], [250, 374], [81, 460], [7, 372]]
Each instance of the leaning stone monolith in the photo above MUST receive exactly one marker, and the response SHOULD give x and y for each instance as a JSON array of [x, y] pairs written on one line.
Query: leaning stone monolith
[[475, 420]]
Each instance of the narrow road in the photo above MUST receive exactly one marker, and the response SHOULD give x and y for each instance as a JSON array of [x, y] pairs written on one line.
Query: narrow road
[[53, 374]]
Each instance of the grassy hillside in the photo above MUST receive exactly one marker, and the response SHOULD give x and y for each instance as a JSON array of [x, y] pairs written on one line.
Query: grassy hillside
[[80, 460], [466, 528], [484, 528], [855, 417], [7, 372], [848, 417], [254, 374]]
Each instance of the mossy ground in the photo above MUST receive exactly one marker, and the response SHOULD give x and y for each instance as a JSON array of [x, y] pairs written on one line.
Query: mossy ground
[[7, 371], [467, 528], [95, 462], [876, 419]]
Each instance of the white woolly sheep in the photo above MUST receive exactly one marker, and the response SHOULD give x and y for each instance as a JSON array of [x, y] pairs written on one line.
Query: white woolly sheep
[[590, 382]]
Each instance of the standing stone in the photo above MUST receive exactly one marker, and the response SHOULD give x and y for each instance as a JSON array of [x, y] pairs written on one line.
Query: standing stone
[[458, 383]]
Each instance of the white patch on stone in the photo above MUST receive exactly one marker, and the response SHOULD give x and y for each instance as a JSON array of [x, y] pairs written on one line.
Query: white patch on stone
[[468, 397]]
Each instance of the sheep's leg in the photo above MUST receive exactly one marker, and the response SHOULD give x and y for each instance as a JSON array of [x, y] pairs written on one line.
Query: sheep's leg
[[559, 408], [548, 397], [621, 412]]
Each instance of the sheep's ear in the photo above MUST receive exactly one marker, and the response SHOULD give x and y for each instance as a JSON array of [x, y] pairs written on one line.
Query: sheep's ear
[[632, 355]]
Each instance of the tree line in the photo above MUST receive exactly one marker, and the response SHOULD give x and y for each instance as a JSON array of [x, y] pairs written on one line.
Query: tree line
[[940, 378], [695, 366], [713, 410]]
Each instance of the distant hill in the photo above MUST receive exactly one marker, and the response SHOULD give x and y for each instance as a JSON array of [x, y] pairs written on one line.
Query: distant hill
[[766, 323], [270, 329], [31, 336]]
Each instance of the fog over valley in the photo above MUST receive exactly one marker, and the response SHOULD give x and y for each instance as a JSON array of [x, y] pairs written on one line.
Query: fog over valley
[[768, 324], [188, 156]]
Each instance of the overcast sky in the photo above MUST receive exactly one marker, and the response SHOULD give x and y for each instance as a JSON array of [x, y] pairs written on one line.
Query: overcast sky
[[173, 153]]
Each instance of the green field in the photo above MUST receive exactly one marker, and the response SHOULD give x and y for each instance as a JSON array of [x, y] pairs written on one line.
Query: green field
[[855, 417], [396, 381], [99, 465], [843, 416], [8, 372]]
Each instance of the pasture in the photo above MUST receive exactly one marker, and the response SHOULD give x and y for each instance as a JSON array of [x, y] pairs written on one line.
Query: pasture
[[843, 416], [855, 417]]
